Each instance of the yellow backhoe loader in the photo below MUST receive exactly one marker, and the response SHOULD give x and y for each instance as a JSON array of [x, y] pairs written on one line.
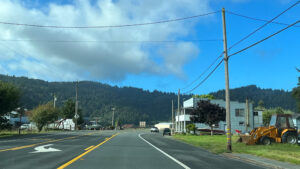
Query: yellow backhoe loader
[[280, 130]]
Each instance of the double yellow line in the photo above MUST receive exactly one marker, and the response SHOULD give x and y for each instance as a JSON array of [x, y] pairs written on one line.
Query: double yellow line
[[50, 141], [89, 149]]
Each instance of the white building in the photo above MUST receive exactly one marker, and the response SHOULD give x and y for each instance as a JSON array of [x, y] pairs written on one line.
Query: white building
[[164, 125], [243, 118], [258, 119], [65, 124]]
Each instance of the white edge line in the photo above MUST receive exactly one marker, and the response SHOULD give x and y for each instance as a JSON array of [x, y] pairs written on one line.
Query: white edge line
[[172, 158]]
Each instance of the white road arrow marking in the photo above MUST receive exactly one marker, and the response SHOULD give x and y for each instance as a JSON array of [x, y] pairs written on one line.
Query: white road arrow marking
[[43, 149]]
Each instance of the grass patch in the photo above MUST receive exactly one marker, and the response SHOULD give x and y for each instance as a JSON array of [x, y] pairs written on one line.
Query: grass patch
[[9, 133], [217, 144]]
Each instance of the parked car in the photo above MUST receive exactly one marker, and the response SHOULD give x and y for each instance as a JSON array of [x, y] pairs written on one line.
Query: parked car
[[167, 131], [154, 129], [24, 126], [93, 127]]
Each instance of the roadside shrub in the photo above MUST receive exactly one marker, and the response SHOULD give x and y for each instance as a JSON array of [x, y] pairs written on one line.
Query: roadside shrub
[[4, 124], [191, 128]]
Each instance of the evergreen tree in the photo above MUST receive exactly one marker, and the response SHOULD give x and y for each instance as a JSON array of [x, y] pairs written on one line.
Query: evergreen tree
[[296, 93]]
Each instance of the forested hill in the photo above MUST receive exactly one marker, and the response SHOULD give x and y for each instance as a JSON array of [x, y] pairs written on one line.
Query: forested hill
[[132, 104], [96, 99], [271, 98]]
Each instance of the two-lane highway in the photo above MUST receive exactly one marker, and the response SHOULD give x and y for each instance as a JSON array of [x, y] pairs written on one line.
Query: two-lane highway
[[127, 149]]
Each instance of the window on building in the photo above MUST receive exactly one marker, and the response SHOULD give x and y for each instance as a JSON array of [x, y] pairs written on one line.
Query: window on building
[[239, 112], [255, 113], [241, 123]]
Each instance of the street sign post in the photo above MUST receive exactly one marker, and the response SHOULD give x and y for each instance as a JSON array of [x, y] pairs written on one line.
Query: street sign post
[[76, 116]]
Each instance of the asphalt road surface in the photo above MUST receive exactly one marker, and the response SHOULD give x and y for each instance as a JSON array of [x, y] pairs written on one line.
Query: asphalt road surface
[[126, 149]]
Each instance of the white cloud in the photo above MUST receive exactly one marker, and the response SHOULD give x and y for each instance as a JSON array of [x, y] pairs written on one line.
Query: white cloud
[[101, 61], [177, 54]]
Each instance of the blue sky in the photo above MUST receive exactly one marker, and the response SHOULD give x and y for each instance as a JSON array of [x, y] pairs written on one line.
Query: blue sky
[[151, 66]]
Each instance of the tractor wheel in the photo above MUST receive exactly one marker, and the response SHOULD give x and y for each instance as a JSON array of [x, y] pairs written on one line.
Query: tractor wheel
[[265, 140], [289, 137]]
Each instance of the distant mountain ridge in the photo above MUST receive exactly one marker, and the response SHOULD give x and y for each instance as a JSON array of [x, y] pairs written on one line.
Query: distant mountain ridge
[[271, 98], [97, 99], [133, 104]]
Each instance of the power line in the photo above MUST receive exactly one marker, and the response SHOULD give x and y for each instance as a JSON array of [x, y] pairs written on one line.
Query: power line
[[263, 25], [203, 71], [242, 49], [206, 77], [116, 41], [108, 26], [265, 38], [257, 19]]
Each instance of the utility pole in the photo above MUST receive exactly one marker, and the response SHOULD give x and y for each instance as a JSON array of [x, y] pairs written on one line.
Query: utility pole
[[227, 95], [178, 107], [54, 100], [76, 106], [113, 115], [184, 122], [247, 115], [172, 118], [20, 111]]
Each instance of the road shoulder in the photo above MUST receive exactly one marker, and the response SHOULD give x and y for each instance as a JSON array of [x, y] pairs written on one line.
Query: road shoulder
[[252, 159], [261, 161]]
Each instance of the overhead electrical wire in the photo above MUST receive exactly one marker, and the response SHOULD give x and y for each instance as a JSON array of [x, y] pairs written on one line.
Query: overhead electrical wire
[[270, 21], [246, 37], [159, 22], [257, 19], [199, 84], [264, 38], [108, 26], [203, 71]]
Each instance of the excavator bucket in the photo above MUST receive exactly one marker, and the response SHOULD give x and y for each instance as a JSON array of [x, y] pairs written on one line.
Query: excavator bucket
[[244, 138]]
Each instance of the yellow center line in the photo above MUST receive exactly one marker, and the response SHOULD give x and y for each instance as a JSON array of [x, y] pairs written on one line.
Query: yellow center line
[[83, 154], [89, 147], [50, 141]]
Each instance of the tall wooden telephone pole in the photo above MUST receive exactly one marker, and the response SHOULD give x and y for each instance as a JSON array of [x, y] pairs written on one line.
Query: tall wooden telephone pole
[[227, 95], [172, 118], [76, 106], [178, 111]]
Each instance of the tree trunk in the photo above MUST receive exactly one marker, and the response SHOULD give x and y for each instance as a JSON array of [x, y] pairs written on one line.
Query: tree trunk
[[40, 127]]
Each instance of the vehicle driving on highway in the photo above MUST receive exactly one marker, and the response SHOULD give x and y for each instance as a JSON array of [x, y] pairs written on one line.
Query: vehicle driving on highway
[[154, 129], [167, 131]]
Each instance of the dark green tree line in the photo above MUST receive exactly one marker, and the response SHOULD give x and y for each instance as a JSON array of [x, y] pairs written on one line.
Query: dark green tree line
[[296, 93]]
